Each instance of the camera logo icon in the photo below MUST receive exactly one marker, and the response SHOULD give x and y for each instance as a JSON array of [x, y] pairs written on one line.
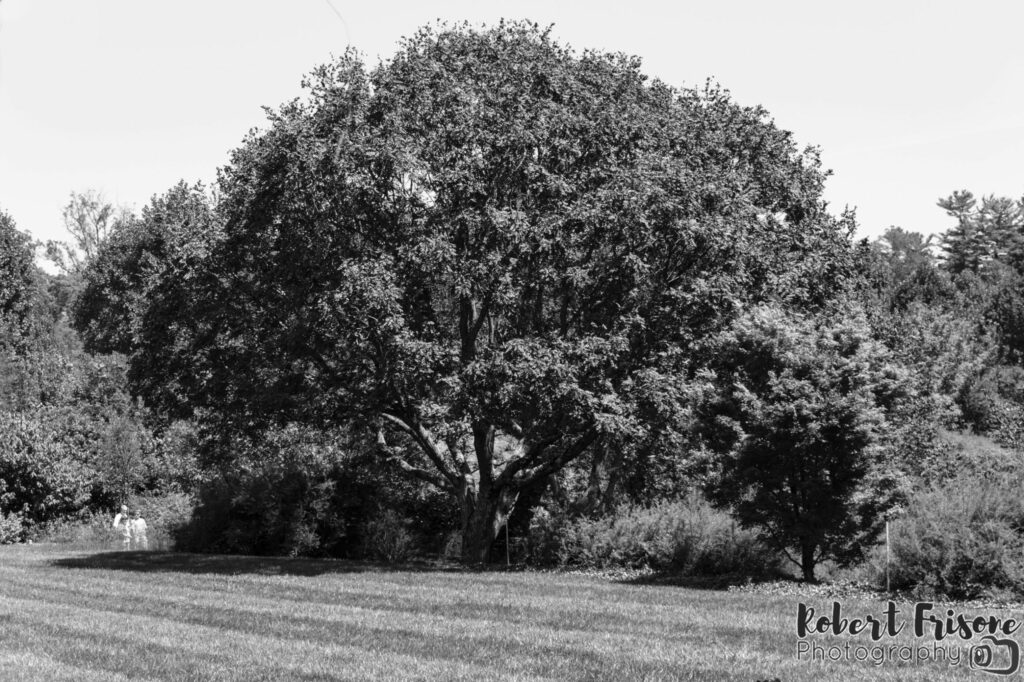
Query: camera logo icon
[[983, 656]]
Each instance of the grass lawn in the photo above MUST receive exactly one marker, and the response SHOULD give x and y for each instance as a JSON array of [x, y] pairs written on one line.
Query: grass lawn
[[68, 614]]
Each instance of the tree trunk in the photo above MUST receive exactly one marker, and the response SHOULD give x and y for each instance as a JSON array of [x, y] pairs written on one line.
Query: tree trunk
[[808, 562], [484, 518]]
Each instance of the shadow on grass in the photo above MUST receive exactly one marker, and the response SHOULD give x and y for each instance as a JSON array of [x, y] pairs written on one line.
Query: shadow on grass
[[218, 564], [223, 564]]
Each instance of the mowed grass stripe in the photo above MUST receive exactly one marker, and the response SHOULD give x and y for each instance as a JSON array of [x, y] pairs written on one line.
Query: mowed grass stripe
[[621, 618], [636, 620], [107, 647], [426, 597], [36, 665], [646, 657], [453, 638], [141, 644]]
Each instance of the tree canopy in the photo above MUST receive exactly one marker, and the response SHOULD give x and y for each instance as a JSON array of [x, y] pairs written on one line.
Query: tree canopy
[[140, 255], [490, 251], [16, 282]]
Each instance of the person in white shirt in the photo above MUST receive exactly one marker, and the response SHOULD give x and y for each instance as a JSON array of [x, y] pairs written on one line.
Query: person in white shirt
[[137, 531], [121, 524]]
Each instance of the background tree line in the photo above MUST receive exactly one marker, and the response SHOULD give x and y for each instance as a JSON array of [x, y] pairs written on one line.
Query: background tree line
[[495, 288]]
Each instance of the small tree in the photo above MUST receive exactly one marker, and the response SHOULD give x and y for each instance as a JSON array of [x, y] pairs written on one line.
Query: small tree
[[89, 218], [797, 412], [120, 459]]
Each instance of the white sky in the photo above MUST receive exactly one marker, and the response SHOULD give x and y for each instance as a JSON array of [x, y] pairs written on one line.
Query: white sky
[[908, 99]]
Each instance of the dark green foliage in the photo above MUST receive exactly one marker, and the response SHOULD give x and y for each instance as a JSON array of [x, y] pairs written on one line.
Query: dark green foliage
[[301, 492], [796, 409]]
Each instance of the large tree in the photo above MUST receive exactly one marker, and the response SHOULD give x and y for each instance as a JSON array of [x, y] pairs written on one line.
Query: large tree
[[492, 252]]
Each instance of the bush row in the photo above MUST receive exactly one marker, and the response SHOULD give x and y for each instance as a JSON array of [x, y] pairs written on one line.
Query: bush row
[[298, 494], [687, 537], [961, 535]]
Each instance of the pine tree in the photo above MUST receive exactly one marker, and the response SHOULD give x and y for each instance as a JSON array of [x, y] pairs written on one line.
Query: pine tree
[[966, 246], [990, 232]]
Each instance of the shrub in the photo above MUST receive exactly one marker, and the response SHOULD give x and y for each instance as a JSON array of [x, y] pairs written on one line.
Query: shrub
[[385, 538], [993, 403], [12, 528], [451, 549], [264, 512], [689, 537], [87, 529], [962, 539], [166, 515], [301, 492]]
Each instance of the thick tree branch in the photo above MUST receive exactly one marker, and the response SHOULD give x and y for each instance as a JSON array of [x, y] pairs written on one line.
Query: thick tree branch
[[528, 460], [394, 456], [458, 457], [534, 457], [556, 463], [422, 437]]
